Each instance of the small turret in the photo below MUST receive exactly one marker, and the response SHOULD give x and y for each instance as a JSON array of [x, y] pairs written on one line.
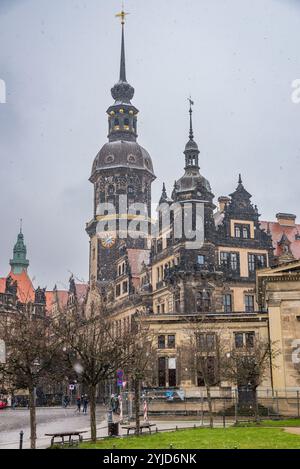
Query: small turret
[[19, 263]]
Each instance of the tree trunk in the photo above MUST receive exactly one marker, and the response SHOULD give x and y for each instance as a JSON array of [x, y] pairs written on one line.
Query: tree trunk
[[209, 401], [32, 410], [137, 405], [92, 397], [255, 403]]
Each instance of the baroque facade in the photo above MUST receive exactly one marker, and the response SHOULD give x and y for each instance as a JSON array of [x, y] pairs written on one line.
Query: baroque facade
[[160, 275]]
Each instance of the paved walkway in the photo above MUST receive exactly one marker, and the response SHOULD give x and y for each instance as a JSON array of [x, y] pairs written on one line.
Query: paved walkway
[[294, 430], [53, 420], [49, 420]]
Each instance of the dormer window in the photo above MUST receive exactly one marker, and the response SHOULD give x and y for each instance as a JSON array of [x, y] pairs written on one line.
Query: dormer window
[[242, 231]]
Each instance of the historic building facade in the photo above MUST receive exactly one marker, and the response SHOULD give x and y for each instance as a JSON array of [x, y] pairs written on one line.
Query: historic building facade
[[161, 275]]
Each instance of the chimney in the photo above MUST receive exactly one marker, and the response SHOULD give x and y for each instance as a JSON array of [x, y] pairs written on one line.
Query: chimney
[[286, 219], [223, 201]]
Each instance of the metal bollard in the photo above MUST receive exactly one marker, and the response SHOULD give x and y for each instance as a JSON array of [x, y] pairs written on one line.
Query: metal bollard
[[21, 439]]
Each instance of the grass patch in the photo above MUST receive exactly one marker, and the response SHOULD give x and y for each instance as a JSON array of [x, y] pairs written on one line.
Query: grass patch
[[200, 438]]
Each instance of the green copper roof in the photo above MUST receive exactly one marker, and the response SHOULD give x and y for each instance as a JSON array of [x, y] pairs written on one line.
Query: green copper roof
[[19, 263]]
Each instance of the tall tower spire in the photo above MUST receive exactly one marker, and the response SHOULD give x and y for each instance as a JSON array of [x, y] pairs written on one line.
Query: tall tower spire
[[122, 15], [191, 135], [122, 114], [191, 149]]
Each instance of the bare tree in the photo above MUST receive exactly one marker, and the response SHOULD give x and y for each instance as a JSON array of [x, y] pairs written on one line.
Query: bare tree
[[141, 355], [206, 352], [248, 363], [32, 355], [94, 349]]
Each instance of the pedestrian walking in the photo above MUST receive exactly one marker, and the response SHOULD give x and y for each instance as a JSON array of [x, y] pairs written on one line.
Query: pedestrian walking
[[85, 404], [78, 401]]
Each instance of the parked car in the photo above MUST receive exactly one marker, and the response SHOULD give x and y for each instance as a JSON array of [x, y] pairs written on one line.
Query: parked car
[[3, 404]]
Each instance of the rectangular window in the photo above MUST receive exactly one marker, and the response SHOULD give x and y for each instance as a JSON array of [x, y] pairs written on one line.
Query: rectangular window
[[237, 231], [251, 262], [118, 290], [158, 309], [246, 231], [210, 341], [242, 230], [206, 342], [250, 336], [256, 261], [239, 339], [161, 342], [171, 341], [244, 339], [163, 308], [200, 260], [260, 261], [157, 273], [227, 302], [230, 260], [234, 261], [224, 257], [125, 287], [249, 303], [161, 371]]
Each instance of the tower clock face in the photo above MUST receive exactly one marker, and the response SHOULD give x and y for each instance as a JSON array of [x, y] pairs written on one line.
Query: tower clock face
[[108, 241]]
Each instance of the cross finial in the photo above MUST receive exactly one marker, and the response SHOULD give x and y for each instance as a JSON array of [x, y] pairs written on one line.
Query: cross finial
[[122, 15], [21, 225]]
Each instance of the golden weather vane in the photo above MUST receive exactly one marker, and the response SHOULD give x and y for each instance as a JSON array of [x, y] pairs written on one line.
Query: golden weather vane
[[122, 15]]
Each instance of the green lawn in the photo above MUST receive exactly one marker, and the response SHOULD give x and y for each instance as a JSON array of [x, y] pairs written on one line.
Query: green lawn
[[230, 438]]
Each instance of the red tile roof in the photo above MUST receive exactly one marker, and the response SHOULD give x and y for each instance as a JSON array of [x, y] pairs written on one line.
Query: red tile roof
[[25, 287], [277, 230], [26, 291], [2, 285]]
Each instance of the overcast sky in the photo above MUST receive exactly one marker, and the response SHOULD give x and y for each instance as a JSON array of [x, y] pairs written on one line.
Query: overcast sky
[[59, 60]]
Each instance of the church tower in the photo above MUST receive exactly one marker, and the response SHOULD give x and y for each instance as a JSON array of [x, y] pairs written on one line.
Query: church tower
[[122, 175]]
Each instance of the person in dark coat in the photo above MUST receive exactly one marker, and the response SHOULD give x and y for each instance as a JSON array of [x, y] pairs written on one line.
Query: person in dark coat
[[85, 404], [78, 401]]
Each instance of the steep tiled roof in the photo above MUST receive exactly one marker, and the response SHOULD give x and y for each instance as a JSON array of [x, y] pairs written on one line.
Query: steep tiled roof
[[25, 287], [291, 232]]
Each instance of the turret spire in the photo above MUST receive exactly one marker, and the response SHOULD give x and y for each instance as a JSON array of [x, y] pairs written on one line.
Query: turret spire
[[191, 149], [191, 135]]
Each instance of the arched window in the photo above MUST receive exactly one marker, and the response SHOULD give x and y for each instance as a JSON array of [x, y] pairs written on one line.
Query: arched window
[[246, 232], [126, 122], [116, 122], [237, 231]]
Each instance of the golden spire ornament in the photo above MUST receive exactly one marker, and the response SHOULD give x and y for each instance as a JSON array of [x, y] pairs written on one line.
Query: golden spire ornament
[[122, 15]]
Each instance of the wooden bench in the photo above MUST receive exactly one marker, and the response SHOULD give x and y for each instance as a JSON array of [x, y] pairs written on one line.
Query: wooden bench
[[66, 435], [142, 426]]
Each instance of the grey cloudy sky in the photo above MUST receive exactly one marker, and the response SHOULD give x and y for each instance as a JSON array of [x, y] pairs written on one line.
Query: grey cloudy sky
[[60, 58]]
